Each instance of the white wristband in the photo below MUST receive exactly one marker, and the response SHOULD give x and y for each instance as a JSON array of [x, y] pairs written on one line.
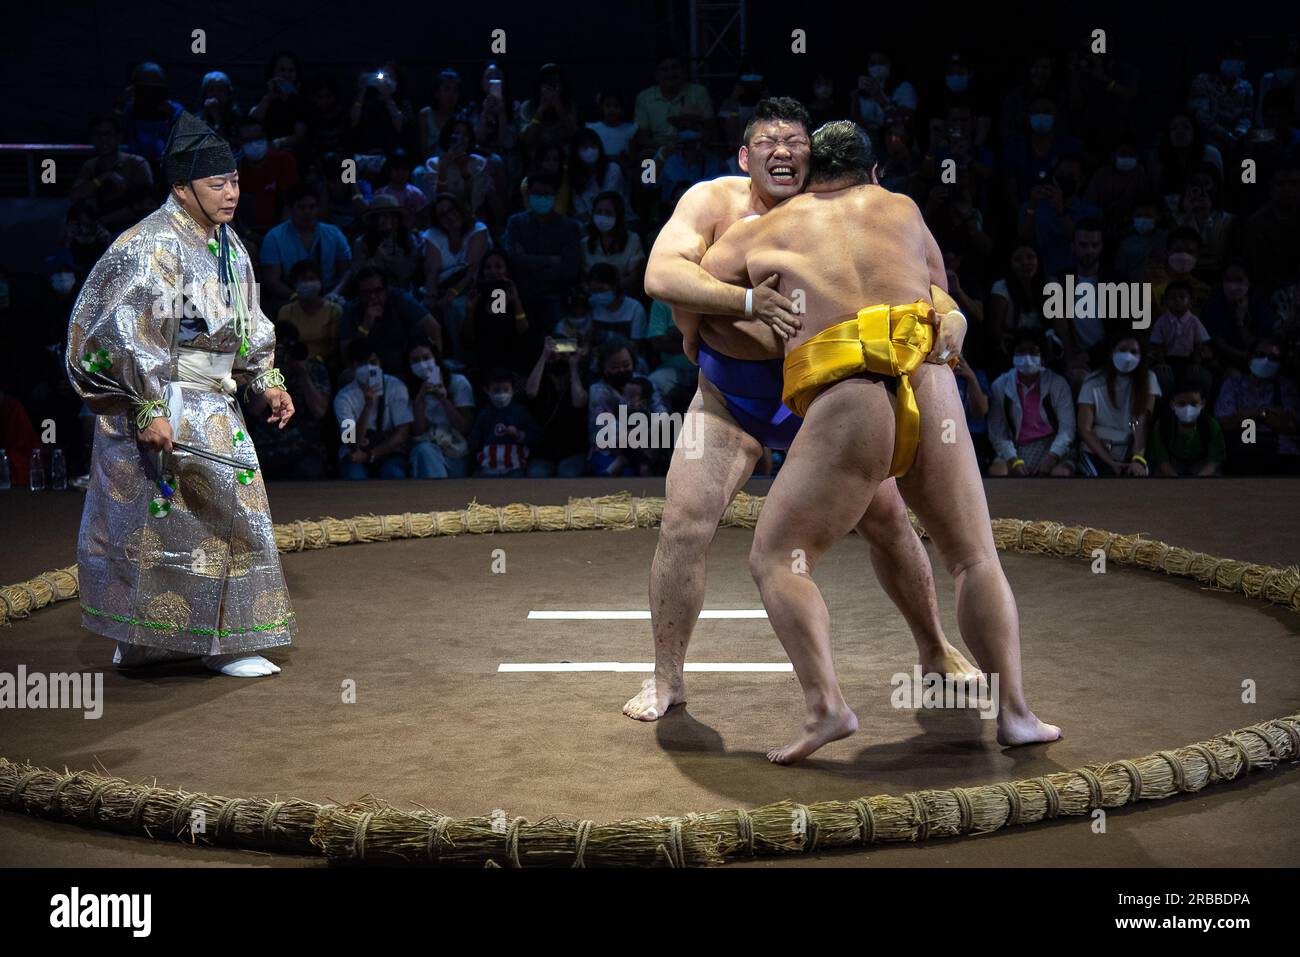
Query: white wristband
[[749, 302]]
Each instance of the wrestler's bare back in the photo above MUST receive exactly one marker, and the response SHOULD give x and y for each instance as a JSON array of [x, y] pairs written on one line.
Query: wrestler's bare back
[[823, 250]]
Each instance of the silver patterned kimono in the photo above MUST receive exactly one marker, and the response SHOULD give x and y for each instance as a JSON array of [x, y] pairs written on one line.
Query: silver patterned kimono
[[196, 572]]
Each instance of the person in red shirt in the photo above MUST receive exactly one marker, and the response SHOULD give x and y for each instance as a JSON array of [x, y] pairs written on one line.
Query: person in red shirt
[[17, 438], [265, 174]]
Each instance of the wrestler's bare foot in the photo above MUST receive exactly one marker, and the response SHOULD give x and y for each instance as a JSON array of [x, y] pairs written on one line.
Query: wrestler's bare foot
[[654, 699], [817, 731], [950, 661], [1015, 729]]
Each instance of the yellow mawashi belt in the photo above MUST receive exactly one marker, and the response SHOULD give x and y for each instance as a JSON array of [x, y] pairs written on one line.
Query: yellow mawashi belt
[[887, 340]]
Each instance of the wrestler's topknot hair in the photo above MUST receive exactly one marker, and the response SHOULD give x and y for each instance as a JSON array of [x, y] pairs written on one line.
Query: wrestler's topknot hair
[[840, 149], [778, 108]]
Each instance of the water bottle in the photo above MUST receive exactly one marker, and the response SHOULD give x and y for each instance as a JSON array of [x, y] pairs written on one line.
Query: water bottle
[[36, 472], [4, 470], [58, 470]]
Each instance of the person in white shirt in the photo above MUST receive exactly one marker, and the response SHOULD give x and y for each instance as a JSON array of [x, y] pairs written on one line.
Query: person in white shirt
[[443, 406], [615, 133], [1115, 409], [374, 416], [608, 240], [612, 312], [591, 173]]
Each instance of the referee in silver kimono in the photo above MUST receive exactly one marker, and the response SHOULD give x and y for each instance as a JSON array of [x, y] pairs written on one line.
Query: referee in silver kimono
[[177, 555]]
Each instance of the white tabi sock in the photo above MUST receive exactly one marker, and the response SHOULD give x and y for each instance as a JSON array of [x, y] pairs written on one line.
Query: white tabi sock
[[241, 666]]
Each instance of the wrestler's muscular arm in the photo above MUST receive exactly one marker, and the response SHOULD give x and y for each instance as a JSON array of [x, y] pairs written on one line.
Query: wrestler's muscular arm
[[952, 324], [673, 274]]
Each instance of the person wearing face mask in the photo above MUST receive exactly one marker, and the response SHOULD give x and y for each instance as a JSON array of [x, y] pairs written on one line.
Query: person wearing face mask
[[374, 416], [1182, 258], [612, 312], [1217, 227], [544, 249], [591, 173], [1187, 440], [1041, 82], [1117, 188], [265, 175], [505, 432], [880, 97], [1235, 318], [1143, 244], [962, 91], [1031, 158], [1114, 412], [303, 236], [1222, 101], [315, 318], [1260, 415], [1031, 416], [616, 367], [609, 240], [443, 404]]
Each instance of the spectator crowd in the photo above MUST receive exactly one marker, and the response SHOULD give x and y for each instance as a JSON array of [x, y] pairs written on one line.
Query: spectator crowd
[[454, 262]]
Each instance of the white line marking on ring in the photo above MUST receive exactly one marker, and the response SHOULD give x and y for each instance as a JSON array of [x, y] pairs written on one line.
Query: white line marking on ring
[[599, 615], [719, 666]]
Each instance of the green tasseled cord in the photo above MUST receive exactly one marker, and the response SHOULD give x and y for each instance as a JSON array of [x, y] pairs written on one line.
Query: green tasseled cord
[[226, 263]]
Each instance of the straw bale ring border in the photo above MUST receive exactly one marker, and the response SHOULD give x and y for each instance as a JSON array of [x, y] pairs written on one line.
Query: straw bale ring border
[[371, 831]]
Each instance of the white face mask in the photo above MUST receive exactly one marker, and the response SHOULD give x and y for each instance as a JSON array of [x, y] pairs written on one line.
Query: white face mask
[[1125, 361], [1187, 413], [501, 399], [1143, 225], [589, 154], [603, 223], [1029, 365], [425, 369], [1126, 164], [1264, 367], [308, 288]]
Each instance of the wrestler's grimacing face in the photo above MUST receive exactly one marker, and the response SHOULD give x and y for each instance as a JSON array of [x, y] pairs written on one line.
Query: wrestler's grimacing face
[[777, 158]]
